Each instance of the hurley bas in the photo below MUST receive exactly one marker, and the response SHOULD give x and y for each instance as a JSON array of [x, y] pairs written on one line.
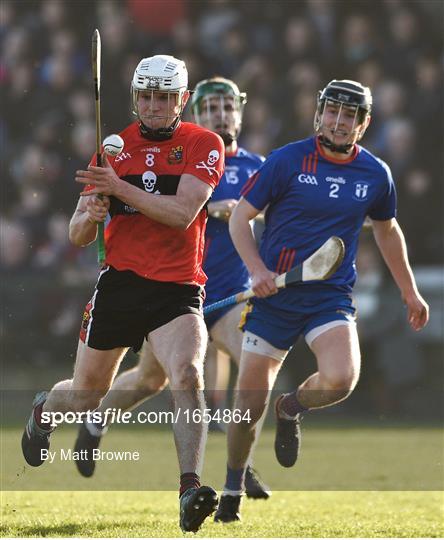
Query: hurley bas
[[82, 455]]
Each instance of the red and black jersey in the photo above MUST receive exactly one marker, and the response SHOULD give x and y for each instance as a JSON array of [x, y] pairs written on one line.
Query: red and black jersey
[[140, 244]]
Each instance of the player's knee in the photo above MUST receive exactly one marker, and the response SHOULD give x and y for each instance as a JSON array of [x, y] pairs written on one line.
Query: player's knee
[[159, 382], [152, 381], [187, 377], [342, 382]]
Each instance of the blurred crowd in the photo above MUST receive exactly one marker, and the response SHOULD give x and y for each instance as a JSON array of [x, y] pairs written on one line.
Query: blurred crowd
[[280, 52]]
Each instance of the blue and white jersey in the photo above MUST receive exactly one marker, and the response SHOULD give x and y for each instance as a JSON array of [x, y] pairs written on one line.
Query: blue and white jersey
[[226, 272], [312, 197]]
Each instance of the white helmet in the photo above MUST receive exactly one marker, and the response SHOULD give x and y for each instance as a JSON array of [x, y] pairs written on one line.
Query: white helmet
[[161, 73]]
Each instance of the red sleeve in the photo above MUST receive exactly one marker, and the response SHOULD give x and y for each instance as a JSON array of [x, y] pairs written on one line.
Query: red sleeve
[[206, 157]]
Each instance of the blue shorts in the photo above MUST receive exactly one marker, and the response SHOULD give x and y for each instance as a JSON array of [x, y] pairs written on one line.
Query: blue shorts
[[282, 318], [212, 318]]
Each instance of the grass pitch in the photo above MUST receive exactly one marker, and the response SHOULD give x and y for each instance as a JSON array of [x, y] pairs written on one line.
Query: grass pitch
[[287, 514], [355, 482]]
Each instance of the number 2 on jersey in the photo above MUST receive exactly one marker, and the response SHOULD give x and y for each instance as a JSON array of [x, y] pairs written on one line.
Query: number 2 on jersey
[[334, 188]]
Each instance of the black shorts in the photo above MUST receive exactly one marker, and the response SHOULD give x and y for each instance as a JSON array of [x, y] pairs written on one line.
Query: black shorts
[[125, 308]]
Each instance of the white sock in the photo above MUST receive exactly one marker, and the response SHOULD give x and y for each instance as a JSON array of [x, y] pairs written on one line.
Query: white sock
[[232, 492], [94, 430]]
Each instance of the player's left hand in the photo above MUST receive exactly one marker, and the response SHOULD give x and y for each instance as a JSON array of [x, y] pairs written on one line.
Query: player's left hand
[[104, 179], [417, 311]]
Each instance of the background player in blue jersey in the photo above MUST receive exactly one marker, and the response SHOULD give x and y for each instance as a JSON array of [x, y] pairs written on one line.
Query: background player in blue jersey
[[217, 105], [315, 188]]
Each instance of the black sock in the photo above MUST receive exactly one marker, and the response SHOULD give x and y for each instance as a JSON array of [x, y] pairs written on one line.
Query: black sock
[[188, 480], [38, 418], [290, 405]]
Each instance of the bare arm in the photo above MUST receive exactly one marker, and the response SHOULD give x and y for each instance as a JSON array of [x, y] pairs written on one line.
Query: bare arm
[[243, 239], [83, 224], [391, 244], [178, 210]]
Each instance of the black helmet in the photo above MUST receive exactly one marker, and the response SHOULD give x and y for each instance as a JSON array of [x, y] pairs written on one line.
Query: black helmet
[[349, 93]]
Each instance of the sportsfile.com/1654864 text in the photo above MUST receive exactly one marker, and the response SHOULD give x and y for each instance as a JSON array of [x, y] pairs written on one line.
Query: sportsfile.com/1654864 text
[[117, 416]]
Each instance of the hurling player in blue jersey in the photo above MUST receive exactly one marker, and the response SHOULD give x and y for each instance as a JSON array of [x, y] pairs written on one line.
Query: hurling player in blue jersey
[[217, 105], [315, 188]]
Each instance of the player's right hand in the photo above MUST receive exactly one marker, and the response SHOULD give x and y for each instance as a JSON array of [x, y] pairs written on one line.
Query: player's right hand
[[417, 311], [262, 283], [97, 208]]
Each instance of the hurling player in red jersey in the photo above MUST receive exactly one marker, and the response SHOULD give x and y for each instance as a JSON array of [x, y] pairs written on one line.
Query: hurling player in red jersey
[[151, 286], [217, 105]]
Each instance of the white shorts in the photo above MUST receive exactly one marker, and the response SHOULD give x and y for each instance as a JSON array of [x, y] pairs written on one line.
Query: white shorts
[[257, 345]]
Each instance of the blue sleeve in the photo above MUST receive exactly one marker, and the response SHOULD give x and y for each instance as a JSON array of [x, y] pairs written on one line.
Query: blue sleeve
[[268, 183], [384, 208]]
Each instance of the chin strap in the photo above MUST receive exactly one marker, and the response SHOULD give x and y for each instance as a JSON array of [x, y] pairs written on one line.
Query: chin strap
[[343, 149], [161, 134], [227, 138]]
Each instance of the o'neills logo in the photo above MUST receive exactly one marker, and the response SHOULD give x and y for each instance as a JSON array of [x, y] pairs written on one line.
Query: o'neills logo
[[175, 155], [338, 180]]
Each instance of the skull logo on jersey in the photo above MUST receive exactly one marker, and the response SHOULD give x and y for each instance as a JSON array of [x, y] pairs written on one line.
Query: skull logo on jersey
[[149, 181], [213, 157]]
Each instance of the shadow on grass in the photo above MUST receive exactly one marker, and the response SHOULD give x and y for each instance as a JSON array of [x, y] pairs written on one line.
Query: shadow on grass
[[70, 529], [67, 529]]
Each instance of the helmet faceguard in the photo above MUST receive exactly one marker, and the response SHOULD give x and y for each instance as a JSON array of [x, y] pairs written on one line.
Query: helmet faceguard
[[165, 77], [348, 97], [218, 105]]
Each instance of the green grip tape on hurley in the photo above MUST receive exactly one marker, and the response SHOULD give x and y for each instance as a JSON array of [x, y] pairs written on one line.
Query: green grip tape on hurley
[[101, 243]]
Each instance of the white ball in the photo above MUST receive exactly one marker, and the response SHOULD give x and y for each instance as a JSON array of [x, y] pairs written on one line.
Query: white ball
[[113, 145]]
